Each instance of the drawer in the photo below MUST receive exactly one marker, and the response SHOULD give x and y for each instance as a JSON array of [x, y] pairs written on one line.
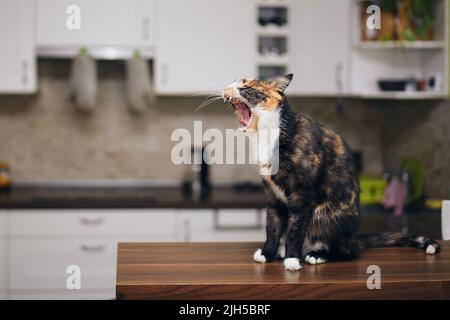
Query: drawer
[[92, 221], [221, 225], [3, 266], [62, 295], [239, 219], [41, 262]]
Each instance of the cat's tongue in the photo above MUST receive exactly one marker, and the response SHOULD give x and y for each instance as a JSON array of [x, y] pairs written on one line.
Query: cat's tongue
[[243, 113]]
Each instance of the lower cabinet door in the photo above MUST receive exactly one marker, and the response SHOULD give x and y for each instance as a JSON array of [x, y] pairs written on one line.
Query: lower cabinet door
[[48, 266], [231, 225], [46, 263]]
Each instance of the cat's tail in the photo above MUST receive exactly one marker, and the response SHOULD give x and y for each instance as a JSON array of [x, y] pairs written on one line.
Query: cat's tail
[[391, 239], [353, 248]]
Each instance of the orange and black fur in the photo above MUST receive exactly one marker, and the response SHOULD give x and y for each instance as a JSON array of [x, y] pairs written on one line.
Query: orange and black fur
[[313, 198]]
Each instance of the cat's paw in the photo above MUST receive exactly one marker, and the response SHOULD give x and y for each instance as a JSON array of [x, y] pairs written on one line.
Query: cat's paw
[[316, 257], [259, 257], [432, 248], [292, 264]]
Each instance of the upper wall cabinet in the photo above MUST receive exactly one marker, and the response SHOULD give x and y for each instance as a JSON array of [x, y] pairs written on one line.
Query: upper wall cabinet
[[203, 43], [101, 23], [320, 47], [17, 63]]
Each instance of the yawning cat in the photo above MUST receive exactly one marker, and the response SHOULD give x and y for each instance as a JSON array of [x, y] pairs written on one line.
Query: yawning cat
[[313, 197]]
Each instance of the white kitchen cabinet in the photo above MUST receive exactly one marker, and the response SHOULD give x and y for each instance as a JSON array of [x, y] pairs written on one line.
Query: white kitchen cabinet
[[157, 222], [43, 243], [17, 63], [231, 225], [320, 41], [204, 43], [103, 23]]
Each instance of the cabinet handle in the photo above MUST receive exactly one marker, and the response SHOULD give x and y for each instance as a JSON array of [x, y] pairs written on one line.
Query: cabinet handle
[[250, 227], [339, 80], [93, 249], [92, 222], [145, 28], [186, 231], [164, 74], [25, 72]]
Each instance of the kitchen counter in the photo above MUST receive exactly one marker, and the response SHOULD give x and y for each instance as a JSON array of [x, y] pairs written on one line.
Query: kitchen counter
[[226, 271], [243, 196], [79, 197]]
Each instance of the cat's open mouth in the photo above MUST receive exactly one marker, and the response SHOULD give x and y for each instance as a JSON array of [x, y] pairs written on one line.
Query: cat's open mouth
[[243, 111]]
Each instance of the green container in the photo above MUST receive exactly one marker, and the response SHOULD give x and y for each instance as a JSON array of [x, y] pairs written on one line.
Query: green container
[[372, 189]]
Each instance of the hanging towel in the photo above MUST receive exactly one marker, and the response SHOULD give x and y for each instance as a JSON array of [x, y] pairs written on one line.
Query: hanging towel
[[83, 82], [395, 196], [139, 89]]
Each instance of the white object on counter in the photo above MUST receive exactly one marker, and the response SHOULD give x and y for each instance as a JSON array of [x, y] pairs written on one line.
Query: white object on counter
[[446, 220]]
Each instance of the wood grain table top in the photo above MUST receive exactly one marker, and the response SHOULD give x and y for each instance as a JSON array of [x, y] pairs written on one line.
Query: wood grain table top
[[227, 271]]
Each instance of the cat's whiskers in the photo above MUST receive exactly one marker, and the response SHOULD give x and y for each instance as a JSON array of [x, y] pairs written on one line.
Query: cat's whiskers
[[208, 101]]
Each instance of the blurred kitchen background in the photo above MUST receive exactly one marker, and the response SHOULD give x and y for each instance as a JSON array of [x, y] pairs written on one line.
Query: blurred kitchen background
[[86, 117]]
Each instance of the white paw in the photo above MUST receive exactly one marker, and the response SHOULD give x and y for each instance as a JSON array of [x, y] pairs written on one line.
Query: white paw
[[258, 257], [320, 261], [281, 251], [292, 264], [313, 260], [431, 249]]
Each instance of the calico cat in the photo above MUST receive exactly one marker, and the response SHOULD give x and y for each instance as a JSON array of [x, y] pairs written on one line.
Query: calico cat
[[313, 197]]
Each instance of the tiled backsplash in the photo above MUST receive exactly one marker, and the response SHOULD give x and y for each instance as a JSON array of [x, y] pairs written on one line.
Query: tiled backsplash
[[421, 130], [44, 138]]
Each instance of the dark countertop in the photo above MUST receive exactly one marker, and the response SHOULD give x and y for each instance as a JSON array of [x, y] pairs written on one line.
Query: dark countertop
[[374, 219], [74, 197]]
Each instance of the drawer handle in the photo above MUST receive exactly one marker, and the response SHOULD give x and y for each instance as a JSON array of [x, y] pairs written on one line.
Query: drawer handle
[[95, 248], [92, 222]]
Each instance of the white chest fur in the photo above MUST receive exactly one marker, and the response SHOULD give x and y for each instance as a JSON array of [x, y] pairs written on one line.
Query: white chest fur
[[265, 141]]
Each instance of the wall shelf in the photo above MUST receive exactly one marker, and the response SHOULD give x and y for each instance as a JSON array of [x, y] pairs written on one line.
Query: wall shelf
[[395, 95], [272, 33], [376, 45], [273, 59], [422, 61], [272, 30]]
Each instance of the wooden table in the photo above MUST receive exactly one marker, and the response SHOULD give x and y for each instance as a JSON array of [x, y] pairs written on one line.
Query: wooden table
[[226, 271]]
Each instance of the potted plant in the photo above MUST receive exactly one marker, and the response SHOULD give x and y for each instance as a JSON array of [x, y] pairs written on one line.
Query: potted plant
[[416, 20]]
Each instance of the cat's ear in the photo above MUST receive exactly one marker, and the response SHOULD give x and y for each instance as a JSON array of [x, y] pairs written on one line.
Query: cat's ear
[[281, 83]]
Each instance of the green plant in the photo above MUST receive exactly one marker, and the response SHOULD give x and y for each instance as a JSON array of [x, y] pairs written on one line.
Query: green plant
[[389, 5], [421, 14]]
